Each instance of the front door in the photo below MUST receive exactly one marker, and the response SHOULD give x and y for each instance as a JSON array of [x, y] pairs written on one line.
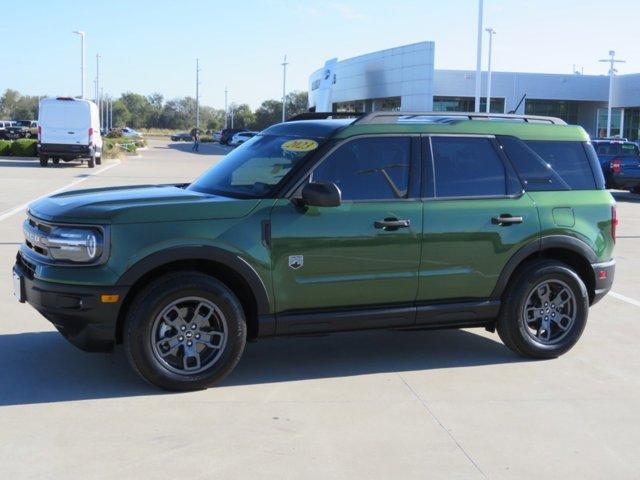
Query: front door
[[335, 258]]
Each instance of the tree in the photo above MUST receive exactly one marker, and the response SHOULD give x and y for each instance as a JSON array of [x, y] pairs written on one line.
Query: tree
[[267, 114], [243, 117], [18, 107], [297, 103]]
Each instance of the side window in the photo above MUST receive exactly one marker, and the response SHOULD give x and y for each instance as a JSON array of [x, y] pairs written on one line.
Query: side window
[[467, 167], [370, 168], [536, 173], [569, 160]]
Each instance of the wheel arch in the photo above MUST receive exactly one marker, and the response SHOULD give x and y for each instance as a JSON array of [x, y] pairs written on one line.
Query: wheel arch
[[569, 250], [221, 264]]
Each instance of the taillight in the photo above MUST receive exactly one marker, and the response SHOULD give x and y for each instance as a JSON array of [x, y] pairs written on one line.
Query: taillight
[[614, 222], [90, 136], [615, 166], [39, 134]]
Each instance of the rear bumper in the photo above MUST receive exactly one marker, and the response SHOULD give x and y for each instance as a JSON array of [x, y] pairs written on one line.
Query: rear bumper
[[623, 182], [66, 151], [603, 274], [76, 311]]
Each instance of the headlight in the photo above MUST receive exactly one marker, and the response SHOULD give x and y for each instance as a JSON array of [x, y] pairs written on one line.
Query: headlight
[[65, 244], [75, 244]]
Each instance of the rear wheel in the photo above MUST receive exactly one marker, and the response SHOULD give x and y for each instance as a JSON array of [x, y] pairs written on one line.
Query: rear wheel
[[56, 161], [99, 160], [44, 160], [545, 310], [185, 331], [635, 189], [91, 162]]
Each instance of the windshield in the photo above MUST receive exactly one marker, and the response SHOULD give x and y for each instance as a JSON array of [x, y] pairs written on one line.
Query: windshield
[[255, 168], [616, 148]]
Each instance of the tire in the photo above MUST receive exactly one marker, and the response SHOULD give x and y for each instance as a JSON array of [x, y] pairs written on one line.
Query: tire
[[635, 189], [91, 162], [44, 160], [99, 160], [56, 161], [527, 338], [165, 363]]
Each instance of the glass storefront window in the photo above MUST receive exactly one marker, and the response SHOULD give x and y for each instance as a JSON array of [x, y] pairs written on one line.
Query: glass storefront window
[[466, 104], [601, 128], [563, 109], [631, 129]]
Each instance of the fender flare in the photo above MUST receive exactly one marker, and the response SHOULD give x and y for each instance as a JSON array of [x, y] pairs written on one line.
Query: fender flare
[[544, 243], [203, 252]]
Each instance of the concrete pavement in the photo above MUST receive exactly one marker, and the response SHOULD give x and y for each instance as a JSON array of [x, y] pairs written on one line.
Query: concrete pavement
[[400, 405]]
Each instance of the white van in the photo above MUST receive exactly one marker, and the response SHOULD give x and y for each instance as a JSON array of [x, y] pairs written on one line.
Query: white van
[[69, 128]]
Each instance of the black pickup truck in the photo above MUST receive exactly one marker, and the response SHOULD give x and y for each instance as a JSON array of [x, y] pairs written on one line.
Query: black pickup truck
[[22, 129]]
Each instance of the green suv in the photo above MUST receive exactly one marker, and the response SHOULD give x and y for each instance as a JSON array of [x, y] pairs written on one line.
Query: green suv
[[389, 220]]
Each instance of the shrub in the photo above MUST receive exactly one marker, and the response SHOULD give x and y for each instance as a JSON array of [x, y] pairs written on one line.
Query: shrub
[[5, 148], [24, 147]]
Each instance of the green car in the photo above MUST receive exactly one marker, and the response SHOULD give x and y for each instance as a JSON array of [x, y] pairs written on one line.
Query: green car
[[390, 220]]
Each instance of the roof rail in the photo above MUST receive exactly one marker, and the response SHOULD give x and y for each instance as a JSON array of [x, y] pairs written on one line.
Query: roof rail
[[449, 117], [324, 115]]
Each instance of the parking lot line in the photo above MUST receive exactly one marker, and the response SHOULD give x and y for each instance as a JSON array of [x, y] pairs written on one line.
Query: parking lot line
[[625, 299], [9, 213]]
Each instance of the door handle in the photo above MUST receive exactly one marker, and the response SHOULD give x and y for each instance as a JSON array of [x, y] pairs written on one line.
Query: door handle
[[505, 219], [392, 224]]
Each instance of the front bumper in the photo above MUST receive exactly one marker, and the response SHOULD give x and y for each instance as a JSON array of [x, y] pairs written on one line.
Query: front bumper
[[603, 274], [76, 311]]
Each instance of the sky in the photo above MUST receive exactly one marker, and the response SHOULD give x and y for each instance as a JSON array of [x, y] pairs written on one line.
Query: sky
[[152, 46]]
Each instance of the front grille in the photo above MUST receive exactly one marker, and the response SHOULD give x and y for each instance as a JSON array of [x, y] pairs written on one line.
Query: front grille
[[34, 232]]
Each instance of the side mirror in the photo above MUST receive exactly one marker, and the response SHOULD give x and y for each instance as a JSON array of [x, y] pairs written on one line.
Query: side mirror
[[321, 194]]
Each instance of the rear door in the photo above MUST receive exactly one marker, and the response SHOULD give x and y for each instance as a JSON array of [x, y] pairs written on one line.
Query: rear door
[[476, 217], [65, 122]]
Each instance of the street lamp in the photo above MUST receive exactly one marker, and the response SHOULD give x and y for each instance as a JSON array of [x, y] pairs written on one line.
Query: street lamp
[[284, 88], [478, 58], [491, 33], [226, 108], [611, 61], [81, 33]]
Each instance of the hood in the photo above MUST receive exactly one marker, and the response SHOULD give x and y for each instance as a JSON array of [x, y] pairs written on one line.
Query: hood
[[142, 203]]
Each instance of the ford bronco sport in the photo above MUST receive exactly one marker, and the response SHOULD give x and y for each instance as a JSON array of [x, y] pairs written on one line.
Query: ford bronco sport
[[391, 220]]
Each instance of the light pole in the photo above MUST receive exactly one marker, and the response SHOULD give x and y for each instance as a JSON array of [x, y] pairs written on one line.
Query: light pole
[[226, 108], [284, 88], [98, 56], [197, 93], [479, 58], [611, 61], [81, 33], [491, 33]]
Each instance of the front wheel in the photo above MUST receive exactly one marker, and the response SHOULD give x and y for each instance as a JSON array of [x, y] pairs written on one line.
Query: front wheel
[[185, 331], [545, 311], [44, 160], [635, 189]]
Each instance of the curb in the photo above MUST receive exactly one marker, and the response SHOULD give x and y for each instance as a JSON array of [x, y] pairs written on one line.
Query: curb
[[19, 158]]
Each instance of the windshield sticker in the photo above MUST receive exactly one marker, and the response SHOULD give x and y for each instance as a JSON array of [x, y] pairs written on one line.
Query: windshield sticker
[[301, 145]]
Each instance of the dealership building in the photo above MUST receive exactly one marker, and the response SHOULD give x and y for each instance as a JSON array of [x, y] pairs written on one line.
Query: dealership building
[[405, 79]]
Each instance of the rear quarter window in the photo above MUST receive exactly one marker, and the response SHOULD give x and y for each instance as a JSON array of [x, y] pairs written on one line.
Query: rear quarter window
[[569, 160]]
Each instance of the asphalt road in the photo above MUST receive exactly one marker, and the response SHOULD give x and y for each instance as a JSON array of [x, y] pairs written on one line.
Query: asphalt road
[[392, 405]]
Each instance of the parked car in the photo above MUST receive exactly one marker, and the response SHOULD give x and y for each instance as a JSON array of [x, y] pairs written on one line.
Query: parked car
[[22, 129], [181, 137], [620, 163], [391, 220], [227, 133], [216, 136], [4, 124], [130, 132], [240, 137], [69, 130]]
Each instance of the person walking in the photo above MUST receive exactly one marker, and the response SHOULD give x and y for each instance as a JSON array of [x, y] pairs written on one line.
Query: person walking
[[196, 140]]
